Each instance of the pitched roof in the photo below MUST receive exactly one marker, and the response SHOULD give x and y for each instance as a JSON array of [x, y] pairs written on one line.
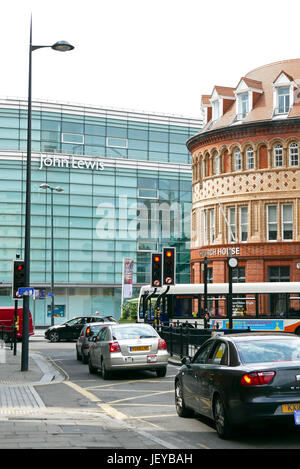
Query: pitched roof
[[225, 91], [205, 99], [252, 83]]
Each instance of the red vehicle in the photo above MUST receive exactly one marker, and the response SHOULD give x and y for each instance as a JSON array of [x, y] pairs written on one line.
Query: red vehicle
[[7, 314]]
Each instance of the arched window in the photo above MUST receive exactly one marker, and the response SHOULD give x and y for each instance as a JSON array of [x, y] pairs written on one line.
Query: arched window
[[250, 158], [237, 160], [278, 156], [294, 154], [217, 163]]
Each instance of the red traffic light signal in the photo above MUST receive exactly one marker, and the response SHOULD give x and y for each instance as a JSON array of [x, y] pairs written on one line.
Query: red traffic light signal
[[156, 270], [169, 266], [18, 280]]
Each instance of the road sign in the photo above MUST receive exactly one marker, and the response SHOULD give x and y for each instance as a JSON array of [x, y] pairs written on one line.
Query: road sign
[[39, 294], [29, 291]]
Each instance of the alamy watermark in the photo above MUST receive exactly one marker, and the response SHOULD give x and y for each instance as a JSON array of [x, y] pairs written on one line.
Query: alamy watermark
[[143, 220]]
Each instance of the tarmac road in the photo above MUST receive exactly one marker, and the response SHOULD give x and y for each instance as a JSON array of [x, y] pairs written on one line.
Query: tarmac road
[[144, 403]]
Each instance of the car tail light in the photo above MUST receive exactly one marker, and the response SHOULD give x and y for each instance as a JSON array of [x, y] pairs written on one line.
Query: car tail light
[[87, 332], [114, 347], [257, 378], [162, 345]]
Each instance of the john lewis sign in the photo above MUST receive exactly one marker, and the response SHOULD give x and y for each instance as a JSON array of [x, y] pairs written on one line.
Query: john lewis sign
[[75, 162]]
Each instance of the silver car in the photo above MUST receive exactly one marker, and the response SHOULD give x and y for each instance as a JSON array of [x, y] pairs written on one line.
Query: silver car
[[85, 339], [128, 346]]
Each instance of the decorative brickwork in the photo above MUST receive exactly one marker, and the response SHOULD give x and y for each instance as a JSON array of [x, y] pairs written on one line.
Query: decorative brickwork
[[246, 179]]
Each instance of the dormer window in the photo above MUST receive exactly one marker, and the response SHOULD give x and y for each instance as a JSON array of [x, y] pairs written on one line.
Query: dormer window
[[243, 104], [221, 99], [247, 93], [215, 110], [283, 92], [283, 100]]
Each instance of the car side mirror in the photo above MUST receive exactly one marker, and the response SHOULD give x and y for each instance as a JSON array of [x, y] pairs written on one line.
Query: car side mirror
[[186, 361]]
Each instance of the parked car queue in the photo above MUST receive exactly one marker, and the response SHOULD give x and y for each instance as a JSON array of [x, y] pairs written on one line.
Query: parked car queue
[[236, 380]]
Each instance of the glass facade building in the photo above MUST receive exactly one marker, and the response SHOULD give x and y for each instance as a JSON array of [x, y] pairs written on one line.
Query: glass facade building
[[126, 180]]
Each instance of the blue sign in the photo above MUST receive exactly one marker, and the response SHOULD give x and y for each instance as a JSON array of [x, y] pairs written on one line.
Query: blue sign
[[59, 311], [26, 291]]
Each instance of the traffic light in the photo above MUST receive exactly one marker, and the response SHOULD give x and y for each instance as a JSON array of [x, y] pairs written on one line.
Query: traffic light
[[169, 266], [18, 277], [156, 269]]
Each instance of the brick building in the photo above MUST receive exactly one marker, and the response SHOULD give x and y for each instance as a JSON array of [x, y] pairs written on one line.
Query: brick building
[[246, 178]]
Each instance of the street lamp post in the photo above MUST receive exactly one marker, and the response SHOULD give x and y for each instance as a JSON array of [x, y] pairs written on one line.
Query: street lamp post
[[52, 189], [232, 264], [61, 46]]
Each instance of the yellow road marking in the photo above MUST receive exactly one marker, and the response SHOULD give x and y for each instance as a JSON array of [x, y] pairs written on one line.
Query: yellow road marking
[[156, 393], [105, 407], [152, 416], [145, 405], [202, 446], [83, 391], [127, 382]]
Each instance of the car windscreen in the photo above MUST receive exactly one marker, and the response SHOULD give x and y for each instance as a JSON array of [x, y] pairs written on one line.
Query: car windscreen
[[270, 350], [133, 332], [94, 329]]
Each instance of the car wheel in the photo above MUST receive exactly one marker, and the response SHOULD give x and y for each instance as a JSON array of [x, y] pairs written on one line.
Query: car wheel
[[181, 409], [161, 372], [54, 336], [223, 426], [92, 369], [104, 372], [85, 359]]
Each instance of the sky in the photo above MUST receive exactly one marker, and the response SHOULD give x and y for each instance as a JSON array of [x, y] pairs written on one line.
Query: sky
[[156, 56]]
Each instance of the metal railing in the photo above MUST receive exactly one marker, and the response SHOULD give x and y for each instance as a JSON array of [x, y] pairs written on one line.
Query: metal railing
[[185, 339]]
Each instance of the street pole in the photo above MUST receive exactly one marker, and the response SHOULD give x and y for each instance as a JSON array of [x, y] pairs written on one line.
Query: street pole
[[61, 46], [232, 263], [52, 262], [205, 289], [52, 189], [25, 327]]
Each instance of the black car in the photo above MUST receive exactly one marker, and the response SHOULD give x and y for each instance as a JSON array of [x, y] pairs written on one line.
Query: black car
[[71, 329], [238, 379]]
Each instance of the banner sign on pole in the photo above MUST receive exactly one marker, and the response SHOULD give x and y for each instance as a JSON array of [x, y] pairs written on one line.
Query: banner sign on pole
[[127, 277]]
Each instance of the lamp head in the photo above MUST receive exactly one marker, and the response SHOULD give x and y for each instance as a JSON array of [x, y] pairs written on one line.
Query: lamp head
[[62, 46], [44, 186]]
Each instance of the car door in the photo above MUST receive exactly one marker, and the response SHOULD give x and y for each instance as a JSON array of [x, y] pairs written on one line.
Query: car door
[[191, 385], [66, 331], [96, 350], [208, 378], [77, 327]]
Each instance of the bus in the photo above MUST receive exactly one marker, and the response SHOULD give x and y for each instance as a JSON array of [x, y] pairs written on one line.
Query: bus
[[266, 306]]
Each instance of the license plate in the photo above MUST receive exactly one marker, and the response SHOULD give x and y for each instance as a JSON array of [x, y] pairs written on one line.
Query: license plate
[[151, 358], [290, 408], [140, 348]]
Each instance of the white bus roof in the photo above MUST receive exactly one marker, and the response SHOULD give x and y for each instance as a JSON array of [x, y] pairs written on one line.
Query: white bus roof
[[223, 288]]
